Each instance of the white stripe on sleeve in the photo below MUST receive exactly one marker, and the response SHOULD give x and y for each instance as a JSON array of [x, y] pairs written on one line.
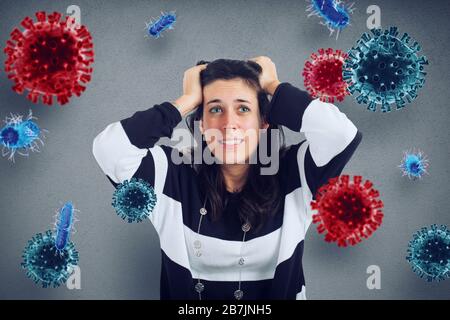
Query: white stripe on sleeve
[[327, 130], [118, 158]]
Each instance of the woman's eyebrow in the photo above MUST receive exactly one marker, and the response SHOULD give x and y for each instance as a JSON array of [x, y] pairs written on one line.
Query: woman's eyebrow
[[236, 100]]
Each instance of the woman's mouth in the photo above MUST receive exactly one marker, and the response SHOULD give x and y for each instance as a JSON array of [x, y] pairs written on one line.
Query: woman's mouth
[[231, 143]]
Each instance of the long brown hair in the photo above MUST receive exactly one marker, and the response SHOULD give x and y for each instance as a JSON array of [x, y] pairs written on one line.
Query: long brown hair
[[260, 197]]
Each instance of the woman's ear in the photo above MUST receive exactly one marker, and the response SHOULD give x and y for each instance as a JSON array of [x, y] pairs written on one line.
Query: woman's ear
[[265, 125]]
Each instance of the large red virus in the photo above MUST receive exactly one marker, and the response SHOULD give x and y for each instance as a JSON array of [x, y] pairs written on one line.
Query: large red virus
[[49, 58], [323, 75], [347, 211]]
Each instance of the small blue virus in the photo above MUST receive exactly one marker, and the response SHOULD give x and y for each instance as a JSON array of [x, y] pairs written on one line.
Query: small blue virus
[[334, 13], [414, 164], [156, 26], [64, 222], [385, 69], [21, 136], [45, 263], [134, 200], [429, 253]]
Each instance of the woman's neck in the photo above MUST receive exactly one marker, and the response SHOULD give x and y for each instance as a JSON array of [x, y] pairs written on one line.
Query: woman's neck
[[235, 176]]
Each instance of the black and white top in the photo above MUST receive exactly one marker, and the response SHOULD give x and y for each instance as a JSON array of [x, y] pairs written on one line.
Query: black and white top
[[272, 267]]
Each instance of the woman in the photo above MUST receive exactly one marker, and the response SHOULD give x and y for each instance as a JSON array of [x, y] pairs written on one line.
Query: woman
[[226, 230]]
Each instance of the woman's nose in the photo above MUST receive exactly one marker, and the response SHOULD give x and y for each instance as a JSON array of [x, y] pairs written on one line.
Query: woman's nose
[[230, 122]]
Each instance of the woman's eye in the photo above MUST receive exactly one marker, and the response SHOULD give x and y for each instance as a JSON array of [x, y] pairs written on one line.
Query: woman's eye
[[215, 110], [244, 108]]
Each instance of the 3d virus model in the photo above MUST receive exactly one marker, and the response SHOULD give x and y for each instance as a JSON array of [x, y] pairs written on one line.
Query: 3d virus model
[[45, 263], [385, 69], [156, 26], [335, 14], [323, 75], [347, 211], [414, 164], [429, 253], [49, 58], [21, 136], [134, 200], [64, 223]]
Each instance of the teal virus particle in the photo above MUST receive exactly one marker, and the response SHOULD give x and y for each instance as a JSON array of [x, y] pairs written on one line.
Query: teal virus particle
[[134, 200], [20, 136], [385, 69], [45, 263], [335, 14], [429, 253], [414, 164], [64, 222], [156, 26]]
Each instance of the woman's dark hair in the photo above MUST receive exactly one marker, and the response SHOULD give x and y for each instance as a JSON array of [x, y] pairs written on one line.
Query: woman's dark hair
[[260, 197]]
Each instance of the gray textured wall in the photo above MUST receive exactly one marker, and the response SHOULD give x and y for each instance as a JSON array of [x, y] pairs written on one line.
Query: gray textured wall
[[132, 73]]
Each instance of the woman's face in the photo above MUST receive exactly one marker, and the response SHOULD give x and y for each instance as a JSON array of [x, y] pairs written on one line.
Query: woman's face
[[231, 120]]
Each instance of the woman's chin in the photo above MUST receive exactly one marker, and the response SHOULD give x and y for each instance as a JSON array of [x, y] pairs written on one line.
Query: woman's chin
[[231, 158]]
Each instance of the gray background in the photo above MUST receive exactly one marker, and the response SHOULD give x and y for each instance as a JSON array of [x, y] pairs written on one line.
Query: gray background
[[122, 261]]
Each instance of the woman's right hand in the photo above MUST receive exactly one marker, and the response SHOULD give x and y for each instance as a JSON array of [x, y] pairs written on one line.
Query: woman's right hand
[[192, 90]]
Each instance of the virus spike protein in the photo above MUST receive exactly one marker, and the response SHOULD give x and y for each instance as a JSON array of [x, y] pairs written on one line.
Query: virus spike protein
[[429, 253], [347, 211], [323, 75], [385, 69], [49, 58]]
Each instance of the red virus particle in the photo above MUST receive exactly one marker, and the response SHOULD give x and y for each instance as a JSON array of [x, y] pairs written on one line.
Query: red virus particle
[[49, 58], [347, 211], [323, 75]]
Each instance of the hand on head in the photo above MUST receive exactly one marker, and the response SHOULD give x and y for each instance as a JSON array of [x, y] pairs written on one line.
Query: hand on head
[[269, 77], [192, 90]]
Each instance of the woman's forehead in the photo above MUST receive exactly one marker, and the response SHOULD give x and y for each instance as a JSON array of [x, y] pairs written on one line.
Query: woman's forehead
[[229, 90]]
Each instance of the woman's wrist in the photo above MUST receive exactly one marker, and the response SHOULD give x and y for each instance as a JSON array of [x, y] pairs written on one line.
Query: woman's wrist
[[272, 87], [185, 104]]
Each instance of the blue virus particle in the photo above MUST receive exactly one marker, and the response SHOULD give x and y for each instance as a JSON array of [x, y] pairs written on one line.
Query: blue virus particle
[[134, 200], [385, 69], [156, 26], [335, 14], [414, 164], [20, 136], [64, 222], [45, 263], [429, 253]]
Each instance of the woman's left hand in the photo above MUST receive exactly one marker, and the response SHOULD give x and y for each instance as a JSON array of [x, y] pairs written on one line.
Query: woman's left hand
[[268, 78]]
